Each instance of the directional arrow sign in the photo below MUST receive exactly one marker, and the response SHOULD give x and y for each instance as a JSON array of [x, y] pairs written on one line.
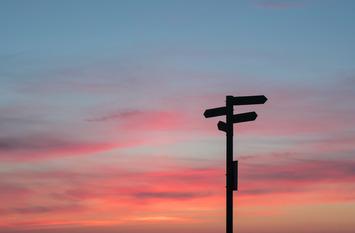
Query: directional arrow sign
[[245, 100], [213, 112], [237, 118], [242, 117], [222, 126]]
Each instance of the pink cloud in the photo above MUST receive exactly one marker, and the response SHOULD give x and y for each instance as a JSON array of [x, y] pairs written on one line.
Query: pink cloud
[[144, 120], [154, 121], [295, 181]]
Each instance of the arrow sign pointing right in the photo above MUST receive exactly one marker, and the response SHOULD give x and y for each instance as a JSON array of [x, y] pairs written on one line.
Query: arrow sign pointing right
[[237, 118], [245, 100], [243, 117]]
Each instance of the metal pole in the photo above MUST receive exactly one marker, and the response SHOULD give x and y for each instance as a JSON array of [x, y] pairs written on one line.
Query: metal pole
[[229, 164]]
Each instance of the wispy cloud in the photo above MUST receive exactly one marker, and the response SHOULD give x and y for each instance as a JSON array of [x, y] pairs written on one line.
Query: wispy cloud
[[169, 195], [47, 209], [29, 148], [116, 116], [279, 5]]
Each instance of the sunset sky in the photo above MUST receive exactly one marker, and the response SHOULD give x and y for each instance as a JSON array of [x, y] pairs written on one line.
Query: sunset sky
[[102, 127]]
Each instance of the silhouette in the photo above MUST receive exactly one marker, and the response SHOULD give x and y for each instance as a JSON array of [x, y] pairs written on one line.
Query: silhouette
[[227, 127]]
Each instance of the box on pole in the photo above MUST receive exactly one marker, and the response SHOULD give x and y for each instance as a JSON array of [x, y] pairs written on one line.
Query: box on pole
[[235, 175]]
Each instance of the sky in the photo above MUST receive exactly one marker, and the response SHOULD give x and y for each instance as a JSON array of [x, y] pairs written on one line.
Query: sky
[[102, 126]]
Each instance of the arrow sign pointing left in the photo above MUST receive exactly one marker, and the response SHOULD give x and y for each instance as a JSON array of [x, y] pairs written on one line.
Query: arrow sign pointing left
[[213, 112], [222, 126]]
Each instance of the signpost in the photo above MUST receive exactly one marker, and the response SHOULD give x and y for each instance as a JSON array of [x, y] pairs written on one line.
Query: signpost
[[227, 127]]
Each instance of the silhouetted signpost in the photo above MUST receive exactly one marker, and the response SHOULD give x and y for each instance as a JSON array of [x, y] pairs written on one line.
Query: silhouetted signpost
[[227, 127]]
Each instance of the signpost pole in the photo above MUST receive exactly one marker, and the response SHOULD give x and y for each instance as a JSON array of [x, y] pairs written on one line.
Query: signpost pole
[[227, 127], [229, 164]]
